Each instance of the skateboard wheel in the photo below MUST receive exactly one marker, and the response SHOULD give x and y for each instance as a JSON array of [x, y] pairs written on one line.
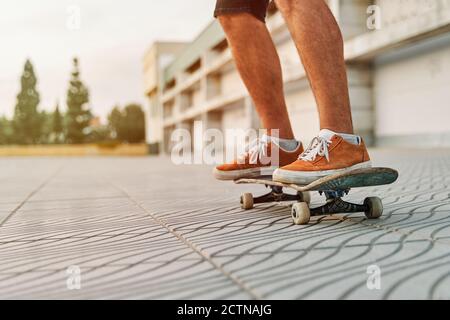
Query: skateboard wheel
[[305, 197], [247, 201], [300, 213], [374, 207]]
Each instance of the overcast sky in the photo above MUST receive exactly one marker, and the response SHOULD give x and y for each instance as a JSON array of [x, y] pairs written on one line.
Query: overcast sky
[[110, 41]]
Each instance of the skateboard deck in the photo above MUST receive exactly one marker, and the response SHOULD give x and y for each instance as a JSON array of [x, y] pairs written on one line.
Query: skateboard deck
[[334, 187]]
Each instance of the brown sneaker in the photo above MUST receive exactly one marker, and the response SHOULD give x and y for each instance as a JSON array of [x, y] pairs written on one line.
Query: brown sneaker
[[257, 161], [328, 154]]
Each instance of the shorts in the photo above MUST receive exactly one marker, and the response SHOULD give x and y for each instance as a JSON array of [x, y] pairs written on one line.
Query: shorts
[[257, 8]]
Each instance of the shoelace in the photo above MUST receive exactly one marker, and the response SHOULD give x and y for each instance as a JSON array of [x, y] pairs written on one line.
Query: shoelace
[[318, 147], [257, 149]]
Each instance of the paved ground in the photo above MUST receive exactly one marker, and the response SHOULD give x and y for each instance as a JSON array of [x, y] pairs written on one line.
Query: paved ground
[[142, 228]]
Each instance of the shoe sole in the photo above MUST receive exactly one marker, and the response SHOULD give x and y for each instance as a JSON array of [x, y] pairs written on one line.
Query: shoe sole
[[243, 174], [306, 177]]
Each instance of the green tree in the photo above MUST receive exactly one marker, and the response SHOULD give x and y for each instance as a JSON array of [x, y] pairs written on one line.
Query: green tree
[[116, 124], [134, 118], [27, 121], [78, 113], [100, 134], [6, 131], [57, 126], [46, 127], [128, 125]]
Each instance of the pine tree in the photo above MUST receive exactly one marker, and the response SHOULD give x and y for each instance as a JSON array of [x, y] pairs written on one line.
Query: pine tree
[[57, 126], [128, 125], [27, 120], [78, 113], [116, 124], [46, 127], [134, 121], [6, 131]]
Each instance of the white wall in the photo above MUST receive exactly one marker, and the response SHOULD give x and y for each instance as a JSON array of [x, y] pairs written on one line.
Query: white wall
[[412, 93], [396, 11], [353, 17], [290, 60], [154, 131], [233, 118], [303, 113], [231, 83], [198, 97]]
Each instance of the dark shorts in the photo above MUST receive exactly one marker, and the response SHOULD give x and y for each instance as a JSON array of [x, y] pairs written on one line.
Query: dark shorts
[[258, 8]]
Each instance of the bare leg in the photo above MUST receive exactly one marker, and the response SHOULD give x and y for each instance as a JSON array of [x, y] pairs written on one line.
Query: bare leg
[[259, 66], [320, 45]]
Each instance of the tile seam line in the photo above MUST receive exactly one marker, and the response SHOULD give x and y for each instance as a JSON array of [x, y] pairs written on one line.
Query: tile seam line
[[194, 247], [29, 196]]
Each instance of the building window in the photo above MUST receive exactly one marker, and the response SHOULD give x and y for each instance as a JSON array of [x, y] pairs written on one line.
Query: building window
[[168, 108], [194, 67], [221, 46], [170, 85]]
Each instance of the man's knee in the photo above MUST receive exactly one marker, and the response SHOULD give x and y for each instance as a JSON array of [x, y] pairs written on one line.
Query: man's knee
[[286, 7], [236, 20], [227, 20]]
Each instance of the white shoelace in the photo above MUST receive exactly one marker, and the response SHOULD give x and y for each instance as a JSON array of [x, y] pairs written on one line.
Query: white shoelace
[[257, 149], [318, 147]]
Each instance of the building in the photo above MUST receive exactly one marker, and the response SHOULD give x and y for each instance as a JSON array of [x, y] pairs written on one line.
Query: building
[[398, 59], [156, 59]]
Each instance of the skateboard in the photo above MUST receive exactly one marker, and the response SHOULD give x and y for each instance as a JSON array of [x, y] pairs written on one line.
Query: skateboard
[[333, 187]]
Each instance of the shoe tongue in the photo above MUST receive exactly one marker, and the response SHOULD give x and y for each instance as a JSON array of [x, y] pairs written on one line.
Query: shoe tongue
[[326, 134]]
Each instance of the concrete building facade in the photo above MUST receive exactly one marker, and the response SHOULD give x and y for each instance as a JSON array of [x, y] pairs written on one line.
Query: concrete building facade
[[156, 59], [398, 59]]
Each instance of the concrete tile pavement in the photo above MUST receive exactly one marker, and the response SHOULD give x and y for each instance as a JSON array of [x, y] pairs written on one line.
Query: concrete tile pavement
[[144, 228]]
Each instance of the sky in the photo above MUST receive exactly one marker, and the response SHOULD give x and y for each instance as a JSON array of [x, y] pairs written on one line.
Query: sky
[[109, 38]]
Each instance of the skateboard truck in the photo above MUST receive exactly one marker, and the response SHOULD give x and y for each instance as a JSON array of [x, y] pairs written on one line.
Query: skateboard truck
[[335, 194], [275, 195], [335, 204]]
